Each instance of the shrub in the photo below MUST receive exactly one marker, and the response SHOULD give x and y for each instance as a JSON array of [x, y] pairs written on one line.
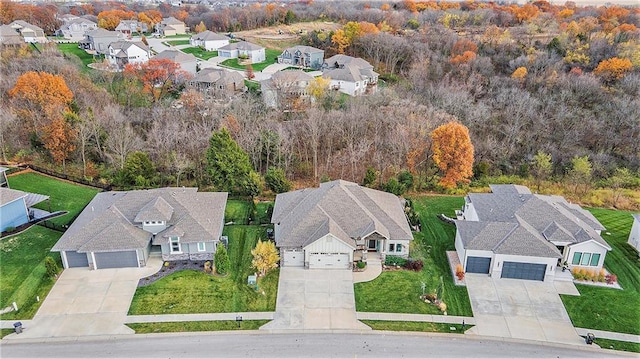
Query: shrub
[[207, 267], [431, 297], [459, 271], [221, 260], [276, 180], [52, 267], [442, 306], [361, 264], [602, 275], [395, 261], [415, 266], [10, 229], [611, 278]]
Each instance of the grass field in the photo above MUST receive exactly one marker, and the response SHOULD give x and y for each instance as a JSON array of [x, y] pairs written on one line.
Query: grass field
[[399, 291], [237, 211], [74, 50], [200, 53], [23, 271], [178, 42], [209, 326], [605, 308], [618, 345], [64, 196], [270, 58], [416, 326], [197, 292]]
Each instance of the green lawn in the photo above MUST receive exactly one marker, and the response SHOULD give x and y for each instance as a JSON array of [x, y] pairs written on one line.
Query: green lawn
[[23, 271], [73, 49], [262, 212], [237, 211], [270, 58], [64, 196], [197, 292], [210, 326], [416, 326], [606, 308], [252, 86], [399, 291], [178, 42], [618, 345], [200, 52]]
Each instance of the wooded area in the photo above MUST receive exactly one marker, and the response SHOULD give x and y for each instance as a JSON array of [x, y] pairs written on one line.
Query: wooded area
[[537, 79]]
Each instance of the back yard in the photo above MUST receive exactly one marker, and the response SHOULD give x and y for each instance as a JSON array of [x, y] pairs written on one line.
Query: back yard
[[399, 291], [605, 308], [198, 292], [270, 58]]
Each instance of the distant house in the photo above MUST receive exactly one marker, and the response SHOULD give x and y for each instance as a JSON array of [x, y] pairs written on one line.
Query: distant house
[[128, 27], [286, 89], [305, 56], [10, 36], [123, 52], [30, 33], [209, 40], [121, 229], [512, 233], [98, 40], [321, 228], [251, 52], [171, 26], [634, 235], [187, 62], [75, 28], [15, 207], [218, 82], [350, 75]]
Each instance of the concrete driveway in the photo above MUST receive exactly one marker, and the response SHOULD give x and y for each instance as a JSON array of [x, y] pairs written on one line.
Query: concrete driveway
[[521, 309], [85, 302], [315, 300]]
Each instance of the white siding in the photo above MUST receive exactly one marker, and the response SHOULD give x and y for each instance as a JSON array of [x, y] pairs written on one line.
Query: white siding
[[470, 213], [403, 253], [328, 244], [460, 248], [476, 253], [213, 45], [499, 259], [634, 236], [587, 247]]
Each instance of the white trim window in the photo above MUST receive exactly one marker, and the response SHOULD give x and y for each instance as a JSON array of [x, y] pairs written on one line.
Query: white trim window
[[586, 259], [201, 246], [399, 247], [174, 245]]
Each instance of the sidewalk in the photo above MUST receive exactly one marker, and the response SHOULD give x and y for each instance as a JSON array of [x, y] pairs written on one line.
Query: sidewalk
[[404, 317], [623, 337], [198, 317], [8, 324]]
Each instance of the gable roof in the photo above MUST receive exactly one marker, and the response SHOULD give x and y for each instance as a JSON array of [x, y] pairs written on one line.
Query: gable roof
[[8, 195], [538, 220], [213, 75], [21, 24], [341, 60], [100, 32], [343, 209], [242, 46], [125, 45], [209, 36], [111, 221], [171, 21], [176, 56], [303, 49]]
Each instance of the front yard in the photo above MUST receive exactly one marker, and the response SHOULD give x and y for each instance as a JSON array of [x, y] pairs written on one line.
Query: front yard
[[399, 291], [270, 58], [604, 308], [197, 292], [200, 52]]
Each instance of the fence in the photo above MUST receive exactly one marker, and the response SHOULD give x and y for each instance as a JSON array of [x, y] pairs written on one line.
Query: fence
[[104, 187]]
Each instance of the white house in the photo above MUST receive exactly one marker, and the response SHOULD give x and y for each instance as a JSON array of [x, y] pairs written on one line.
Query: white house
[[321, 228], [209, 40], [171, 26], [123, 52], [512, 233], [75, 28], [30, 33], [634, 236], [252, 52], [350, 75]]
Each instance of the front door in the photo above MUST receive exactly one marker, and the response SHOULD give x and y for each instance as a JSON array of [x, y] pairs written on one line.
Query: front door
[[373, 245]]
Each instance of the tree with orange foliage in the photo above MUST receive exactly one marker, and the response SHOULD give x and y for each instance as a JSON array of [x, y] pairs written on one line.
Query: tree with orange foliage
[[158, 76], [109, 19], [59, 138], [200, 27], [463, 58], [340, 40], [453, 154], [613, 69], [410, 5], [525, 12], [40, 97], [520, 73], [181, 15], [385, 7]]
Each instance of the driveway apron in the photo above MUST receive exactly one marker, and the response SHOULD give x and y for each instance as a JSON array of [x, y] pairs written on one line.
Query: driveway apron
[[315, 299], [521, 309], [88, 302]]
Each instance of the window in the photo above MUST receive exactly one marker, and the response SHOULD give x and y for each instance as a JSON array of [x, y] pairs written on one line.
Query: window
[[175, 244], [595, 259], [391, 247], [576, 258], [398, 247], [585, 259], [201, 247]]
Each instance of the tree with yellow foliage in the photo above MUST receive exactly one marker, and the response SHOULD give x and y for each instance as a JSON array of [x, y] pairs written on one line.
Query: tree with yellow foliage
[[613, 69], [453, 153], [265, 257], [520, 73], [200, 27], [318, 87]]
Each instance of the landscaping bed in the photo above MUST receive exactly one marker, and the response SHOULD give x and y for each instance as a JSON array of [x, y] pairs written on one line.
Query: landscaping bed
[[170, 268]]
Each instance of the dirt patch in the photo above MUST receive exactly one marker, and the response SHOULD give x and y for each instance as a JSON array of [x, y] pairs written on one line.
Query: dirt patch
[[283, 36]]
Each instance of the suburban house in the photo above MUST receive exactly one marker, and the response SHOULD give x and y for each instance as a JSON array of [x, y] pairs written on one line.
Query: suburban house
[[10, 36], [251, 52], [15, 207], [323, 227], [128, 27], [75, 28], [350, 75], [171, 26], [121, 229], [512, 233], [209, 40], [98, 40], [188, 62], [305, 56], [634, 236], [29, 33], [285, 89], [218, 82], [123, 52]]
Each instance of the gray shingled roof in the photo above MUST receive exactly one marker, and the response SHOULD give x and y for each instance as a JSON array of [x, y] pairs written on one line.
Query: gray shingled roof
[[303, 49], [209, 36], [176, 56], [125, 45], [8, 195], [344, 209], [536, 221], [342, 60], [242, 45], [172, 21], [108, 223], [213, 75]]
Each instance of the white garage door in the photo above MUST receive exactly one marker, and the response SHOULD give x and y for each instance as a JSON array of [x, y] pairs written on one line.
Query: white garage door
[[329, 261], [293, 258]]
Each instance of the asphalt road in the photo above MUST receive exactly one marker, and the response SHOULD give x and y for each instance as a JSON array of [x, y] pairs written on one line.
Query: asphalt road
[[230, 345]]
